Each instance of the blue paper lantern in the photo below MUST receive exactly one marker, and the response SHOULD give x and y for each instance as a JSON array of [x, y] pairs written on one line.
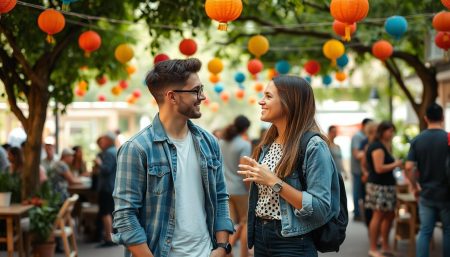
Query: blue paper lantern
[[327, 80], [218, 88], [239, 77], [342, 61], [308, 79], [282, 67], [396, 26]]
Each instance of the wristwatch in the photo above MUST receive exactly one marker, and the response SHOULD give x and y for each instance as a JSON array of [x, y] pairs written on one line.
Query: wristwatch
[[277, 186], [225, 246]]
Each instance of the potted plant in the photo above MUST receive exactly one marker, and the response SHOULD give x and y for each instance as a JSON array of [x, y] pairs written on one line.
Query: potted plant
[[9, 189]]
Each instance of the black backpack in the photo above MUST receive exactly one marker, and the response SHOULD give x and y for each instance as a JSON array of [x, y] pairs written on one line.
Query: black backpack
[[331, 235]]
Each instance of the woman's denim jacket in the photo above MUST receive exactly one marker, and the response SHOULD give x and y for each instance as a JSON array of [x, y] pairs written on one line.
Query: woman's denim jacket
[[319, 204]]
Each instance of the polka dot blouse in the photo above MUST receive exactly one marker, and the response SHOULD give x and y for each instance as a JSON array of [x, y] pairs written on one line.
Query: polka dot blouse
[[268, 206]]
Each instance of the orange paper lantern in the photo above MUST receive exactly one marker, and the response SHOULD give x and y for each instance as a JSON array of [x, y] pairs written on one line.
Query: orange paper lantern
[[214, 78], [240, 94], [89, 41], [123, 53], [223, 11], [51, 22], [441, 21], [131, 69], [215, 66], [258, 87], [349, 12], [446, 3], [340, 76], [252, 99], [382, 49], [225, 96], [7, 5], [339, 28]]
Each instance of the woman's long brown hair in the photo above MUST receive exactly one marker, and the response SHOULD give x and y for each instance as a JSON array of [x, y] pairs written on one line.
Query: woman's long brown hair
[[299, 107]]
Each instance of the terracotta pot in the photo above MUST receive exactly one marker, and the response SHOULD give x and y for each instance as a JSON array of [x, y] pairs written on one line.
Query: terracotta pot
[[44, 249]]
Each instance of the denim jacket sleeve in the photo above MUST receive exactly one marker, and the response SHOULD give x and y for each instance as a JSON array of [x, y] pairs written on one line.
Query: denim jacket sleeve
[[222, 219], [130, 186], [319, 168]]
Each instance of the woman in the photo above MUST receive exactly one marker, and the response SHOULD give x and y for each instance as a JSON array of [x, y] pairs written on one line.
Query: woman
[[335, 150], [234, 146], [281, 215], [17, 162], [78, 166], [380, 187]]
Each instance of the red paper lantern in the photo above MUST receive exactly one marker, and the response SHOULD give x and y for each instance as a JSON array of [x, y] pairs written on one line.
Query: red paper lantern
[[225, 96], [442, 41], [254, 66], [160, 58], [446, 3], [339, 28], [89, 41], [349, 12], [382, 49], [51, 22], [312, 67], [123, 84], [7, 5], [79, 92], [101, 98], [137, 93], [101, 80], [188, 47], [441, 21]]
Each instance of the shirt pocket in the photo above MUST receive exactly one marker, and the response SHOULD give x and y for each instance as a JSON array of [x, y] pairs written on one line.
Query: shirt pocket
[[158, 179]]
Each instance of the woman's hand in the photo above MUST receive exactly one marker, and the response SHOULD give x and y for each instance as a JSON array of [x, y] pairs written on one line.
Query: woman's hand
[[258, 173]]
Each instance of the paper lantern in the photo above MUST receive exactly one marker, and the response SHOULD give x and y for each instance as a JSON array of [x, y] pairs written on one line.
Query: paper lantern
[[327, 80], [101, 98], [342, 61], [349, 12], [333, 49], [382, 49], [271, 73], [215, 66], [441, 21], [124, 53], [131, 69], [160, 58], [131, 99], [254, 66], [89, 41], [239, 77], [214, 107], [7, 5], [214, 78], [123, 84], [312, 67], [225, 96], [252, 99], [340, 76], [282, 67], [117, 90], [188, 47], [240, 94], [137, 93], [51, 22], [339, 28], [446, 3], [218, 88], [396, 26], [101, 80], [79, 92], [223, 11], [83, 85], [258, 45], [441, 40], [258, 87]]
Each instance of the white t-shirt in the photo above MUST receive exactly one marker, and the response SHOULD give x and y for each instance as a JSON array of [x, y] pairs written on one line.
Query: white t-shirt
[[191, 237]]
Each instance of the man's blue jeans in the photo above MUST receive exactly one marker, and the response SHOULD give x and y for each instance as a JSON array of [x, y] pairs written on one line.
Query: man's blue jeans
[[270, 243], [356, 193], [429, 213]]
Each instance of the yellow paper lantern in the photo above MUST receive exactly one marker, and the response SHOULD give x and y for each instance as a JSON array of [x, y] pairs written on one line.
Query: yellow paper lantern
[[333, 49], [116, 90], [124, 53], [215, 66], [340, 76], [258, 45], [82, 85]]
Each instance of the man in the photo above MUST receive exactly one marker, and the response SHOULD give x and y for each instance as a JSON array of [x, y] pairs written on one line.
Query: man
[[105, 167], [355, 167], [60, 175], [170, 196], [49, 158], [427, 156]]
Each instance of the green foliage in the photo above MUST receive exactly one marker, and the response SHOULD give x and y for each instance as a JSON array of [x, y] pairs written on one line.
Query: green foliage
[[10, 183]]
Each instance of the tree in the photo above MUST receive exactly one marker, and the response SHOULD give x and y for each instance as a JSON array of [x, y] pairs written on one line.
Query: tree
[[34, 72]]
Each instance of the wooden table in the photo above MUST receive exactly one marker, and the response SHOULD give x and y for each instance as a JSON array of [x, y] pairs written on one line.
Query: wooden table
[[83, 191], [409, 200], [12, 214]]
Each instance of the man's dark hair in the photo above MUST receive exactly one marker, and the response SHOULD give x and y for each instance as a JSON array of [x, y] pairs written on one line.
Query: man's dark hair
[[365, 121], [331, 128], [435, 113], [170, 72]]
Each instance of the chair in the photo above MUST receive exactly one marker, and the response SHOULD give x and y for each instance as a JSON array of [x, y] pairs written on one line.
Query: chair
[[64, 227]]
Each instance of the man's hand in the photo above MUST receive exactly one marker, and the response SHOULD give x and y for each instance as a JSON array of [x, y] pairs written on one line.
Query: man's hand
[[218, 252]]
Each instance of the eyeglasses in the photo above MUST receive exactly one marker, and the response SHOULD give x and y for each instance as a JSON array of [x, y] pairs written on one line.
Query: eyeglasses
[[197, 91]]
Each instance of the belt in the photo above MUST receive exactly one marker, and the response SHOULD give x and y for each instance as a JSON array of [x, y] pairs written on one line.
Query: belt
[[266, 221]]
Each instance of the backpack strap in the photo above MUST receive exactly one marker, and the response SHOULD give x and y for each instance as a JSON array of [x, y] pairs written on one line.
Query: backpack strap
[[301, 157]]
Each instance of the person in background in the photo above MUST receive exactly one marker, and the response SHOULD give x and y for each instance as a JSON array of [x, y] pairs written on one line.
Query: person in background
[[381, 188], [355, 167], [335, 150], [61, 176], [78, 166], [106, 164], [428, 155], [218, 133], [49, 159], [234, 146], [4, 163]]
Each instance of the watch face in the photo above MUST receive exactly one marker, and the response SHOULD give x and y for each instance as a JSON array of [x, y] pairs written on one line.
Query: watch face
[[277, 187]]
